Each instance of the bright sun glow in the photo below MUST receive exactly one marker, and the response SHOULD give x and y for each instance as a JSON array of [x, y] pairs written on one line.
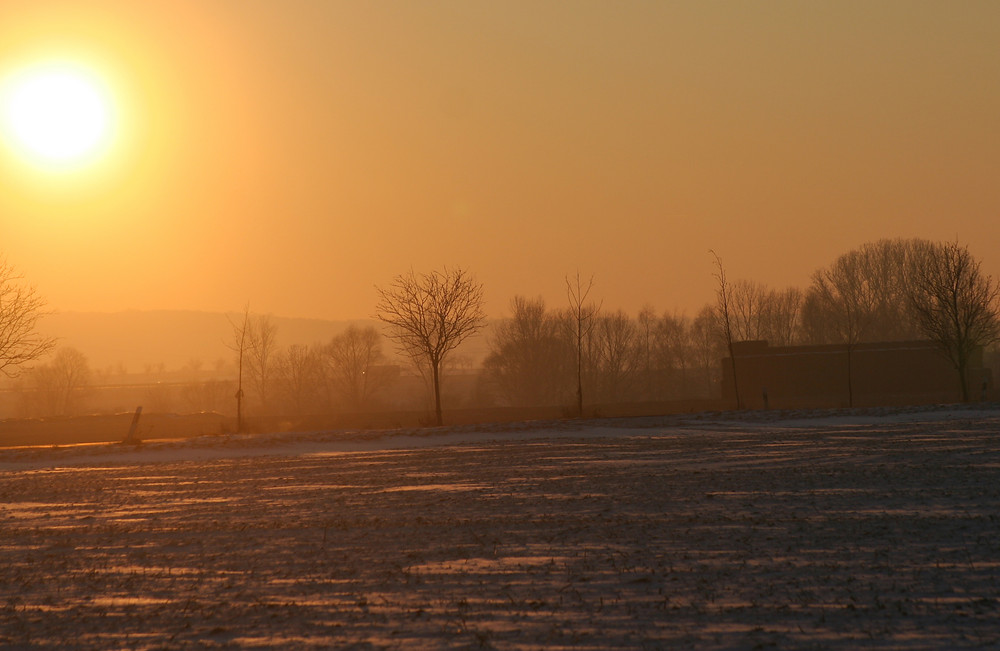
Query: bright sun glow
[[57, 115]]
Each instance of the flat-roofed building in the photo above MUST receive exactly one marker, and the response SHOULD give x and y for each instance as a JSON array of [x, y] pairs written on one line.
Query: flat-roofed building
[[869, 374]]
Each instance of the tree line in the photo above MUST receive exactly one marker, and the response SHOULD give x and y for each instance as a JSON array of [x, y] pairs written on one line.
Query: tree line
[[578, 353], [888, 290], [341, 374]]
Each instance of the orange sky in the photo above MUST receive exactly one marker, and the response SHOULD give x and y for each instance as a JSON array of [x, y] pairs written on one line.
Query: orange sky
[[294, 154]]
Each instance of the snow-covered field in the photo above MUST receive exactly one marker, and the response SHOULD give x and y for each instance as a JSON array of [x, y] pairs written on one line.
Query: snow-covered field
[[875, 529]]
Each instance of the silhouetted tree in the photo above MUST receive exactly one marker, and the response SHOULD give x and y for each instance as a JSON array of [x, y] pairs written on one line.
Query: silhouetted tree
[[761, 313], [646, 322], [356, 366], [430, 315], [677, 346], [262, 346], [614, 357], [20, 309], [530, 358], [724, 318], [707, 348], [863, 296], [668, 347], [207, 395], [847, 295], [780, 316], [884, 270], [298, 378], [58, 381], [890, 266], [581, 320], [239, 344], [746, 306], [955, 304]]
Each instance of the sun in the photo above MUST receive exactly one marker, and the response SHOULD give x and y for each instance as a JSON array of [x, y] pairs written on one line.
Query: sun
[[56, 115]]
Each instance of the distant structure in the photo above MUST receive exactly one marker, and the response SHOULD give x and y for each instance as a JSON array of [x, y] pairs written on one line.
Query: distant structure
[[882, 374]]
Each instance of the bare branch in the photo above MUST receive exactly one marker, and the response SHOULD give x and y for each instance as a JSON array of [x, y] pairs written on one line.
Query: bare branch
[[20, 310], [430, 315], [724, 318], [955, 303], [582, 316]]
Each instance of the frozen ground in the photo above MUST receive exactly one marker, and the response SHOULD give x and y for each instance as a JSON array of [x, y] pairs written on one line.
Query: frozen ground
[[872, 529]]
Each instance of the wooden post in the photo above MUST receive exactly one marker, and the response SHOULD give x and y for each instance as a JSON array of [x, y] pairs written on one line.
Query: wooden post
[[132, 438]]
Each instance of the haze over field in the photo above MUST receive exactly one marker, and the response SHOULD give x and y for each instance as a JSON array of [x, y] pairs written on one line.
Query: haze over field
[[296, 154], [176, 339], [173, 339]]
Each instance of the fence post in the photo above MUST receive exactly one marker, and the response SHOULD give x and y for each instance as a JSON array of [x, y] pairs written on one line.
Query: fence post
[[132, 438]]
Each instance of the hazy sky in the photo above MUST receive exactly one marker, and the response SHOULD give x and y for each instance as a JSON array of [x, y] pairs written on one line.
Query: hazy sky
[[294, 154]]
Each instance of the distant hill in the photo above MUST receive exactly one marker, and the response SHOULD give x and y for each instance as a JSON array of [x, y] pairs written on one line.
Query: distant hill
[[175, 338], [172, 338]]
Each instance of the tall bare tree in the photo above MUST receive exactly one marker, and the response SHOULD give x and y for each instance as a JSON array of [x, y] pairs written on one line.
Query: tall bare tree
[[849, 297], [20, 309], [864, 295], [665, 350], [725, 318], [647, 323], [297, 372], [674, 351], [955, 304], [58, 382], [581, 320], [355, 365], [239, 344], [262, 339], [890, 266], [747, 305], [780, 316], [881, 275], [615, 356], [762, 313], [430, 315], [707, 348], [530, 358]]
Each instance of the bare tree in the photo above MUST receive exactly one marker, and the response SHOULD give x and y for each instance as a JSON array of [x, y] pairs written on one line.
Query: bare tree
[[707, 347], [762, 313], [356, 365], [724, 318], [262, 340], [207, 395], [665, 348], [864, 295], [430, 315], [890, 269], [647, 323], [955, 304], [239, 344], [530, 358], [674, 348], [615, 356], [849, 298], [20, 309], [297, 373], [59, 381], [747, 305], [780, 315], [882, 273], [581, 319]]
